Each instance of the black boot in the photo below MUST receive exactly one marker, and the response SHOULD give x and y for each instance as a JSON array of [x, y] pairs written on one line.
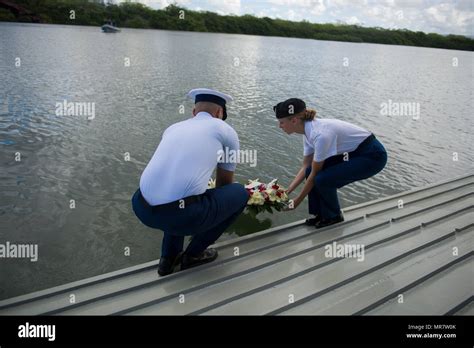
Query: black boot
[[167, 265], [313, 221], [206, 256], [329, 222]]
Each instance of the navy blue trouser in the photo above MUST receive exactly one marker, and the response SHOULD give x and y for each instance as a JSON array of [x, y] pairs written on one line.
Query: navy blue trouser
[[367, 160], [205, 219]]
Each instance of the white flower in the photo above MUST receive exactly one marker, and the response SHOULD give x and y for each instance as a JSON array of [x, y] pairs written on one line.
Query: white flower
[[272, 196], [256, 199], [253, 184]]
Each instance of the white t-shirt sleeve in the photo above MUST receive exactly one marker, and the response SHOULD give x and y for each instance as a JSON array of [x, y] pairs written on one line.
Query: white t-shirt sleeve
[[308, 149], [230, 143], [326, 146]]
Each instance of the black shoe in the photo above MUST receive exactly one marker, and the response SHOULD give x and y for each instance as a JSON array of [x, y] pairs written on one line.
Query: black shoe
[[206, 256], [329, 222], [313, 221], [167, 265]]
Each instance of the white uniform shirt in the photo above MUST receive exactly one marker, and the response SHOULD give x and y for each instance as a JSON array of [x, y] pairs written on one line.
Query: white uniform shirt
[[186, 157], [328, 137]]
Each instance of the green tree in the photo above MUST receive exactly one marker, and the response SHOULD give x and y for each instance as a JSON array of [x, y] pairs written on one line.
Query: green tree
[[174, 17]]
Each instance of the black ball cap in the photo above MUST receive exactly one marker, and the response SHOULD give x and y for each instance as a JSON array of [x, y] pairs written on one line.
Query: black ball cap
[[289, 107]]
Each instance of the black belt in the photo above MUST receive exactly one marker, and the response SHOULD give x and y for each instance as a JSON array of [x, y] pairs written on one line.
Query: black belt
[[180, 203]]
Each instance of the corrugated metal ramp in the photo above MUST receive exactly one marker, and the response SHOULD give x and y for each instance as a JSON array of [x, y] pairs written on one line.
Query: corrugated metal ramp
[[418, 259]]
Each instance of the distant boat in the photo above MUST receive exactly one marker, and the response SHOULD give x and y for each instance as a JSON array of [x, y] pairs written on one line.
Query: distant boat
[[110, 28]]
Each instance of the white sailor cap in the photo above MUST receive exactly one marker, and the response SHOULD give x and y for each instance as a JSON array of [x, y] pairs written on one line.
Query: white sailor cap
[[210, 95]]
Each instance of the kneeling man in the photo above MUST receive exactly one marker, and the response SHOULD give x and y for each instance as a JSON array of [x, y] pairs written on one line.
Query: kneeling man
[[174, 195]]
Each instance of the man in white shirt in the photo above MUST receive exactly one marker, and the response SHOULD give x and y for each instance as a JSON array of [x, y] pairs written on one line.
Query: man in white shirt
[[174, 195], [336, 153]]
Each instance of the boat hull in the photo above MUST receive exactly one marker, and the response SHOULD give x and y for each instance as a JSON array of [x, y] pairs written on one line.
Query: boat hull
[[106, 28]]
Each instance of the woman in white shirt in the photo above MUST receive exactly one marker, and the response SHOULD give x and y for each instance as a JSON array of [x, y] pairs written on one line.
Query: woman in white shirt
[[336, 153]]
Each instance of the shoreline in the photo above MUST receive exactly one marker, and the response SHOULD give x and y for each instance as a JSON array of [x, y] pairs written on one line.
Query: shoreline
[[238, 34]]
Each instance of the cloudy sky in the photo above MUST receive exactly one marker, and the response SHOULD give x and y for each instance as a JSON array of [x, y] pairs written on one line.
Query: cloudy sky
[[439, 16]]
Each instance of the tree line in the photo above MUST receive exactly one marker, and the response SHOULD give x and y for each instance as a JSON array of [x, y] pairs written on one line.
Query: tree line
[[173, 17]]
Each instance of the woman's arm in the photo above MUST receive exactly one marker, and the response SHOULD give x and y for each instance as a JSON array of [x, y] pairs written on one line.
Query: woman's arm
[[315, 168], [301, 173]]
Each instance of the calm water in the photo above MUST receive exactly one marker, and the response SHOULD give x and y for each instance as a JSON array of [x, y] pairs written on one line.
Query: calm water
[[71, 157]]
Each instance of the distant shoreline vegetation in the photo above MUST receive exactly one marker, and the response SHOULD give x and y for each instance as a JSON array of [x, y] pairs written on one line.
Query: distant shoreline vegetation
[[173, 17]]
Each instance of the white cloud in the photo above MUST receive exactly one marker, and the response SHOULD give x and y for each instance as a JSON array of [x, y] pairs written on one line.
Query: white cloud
[[291, 15], [409, 3], [315, 7], [374, 11], [464, 5], [436, 14], [448, 18], [318, 8], [345, 3], [353, 20], [159, 4], [442, 16], [225, 7]]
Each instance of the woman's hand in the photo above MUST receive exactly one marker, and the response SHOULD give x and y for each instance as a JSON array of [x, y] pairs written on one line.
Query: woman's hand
[[292, 204], [289, 206], [297, 201], [308, 186]]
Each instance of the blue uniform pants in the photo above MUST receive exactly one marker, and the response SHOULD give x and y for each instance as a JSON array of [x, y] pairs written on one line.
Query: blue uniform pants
[[205, 219], [367, 160]]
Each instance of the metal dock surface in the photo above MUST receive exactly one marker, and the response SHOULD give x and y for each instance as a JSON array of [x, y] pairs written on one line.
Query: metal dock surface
[[418, 260]]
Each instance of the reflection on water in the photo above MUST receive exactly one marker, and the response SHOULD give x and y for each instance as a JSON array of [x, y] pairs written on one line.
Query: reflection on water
[[249, 223], [96, 163]]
